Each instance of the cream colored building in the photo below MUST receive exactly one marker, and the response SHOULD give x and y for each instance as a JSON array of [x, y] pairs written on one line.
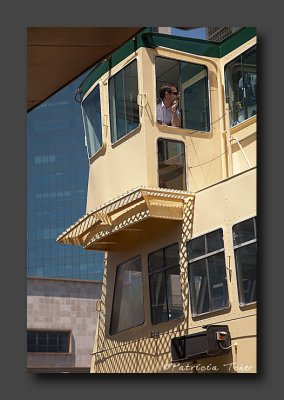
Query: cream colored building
[[173, 207]]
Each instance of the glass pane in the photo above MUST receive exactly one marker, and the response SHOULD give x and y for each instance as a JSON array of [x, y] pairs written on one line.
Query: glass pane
[[218, 282], [246, 269], [171, 164], [172, 255], [196, 247], [174, 293], [156, 261], [159, 309], [31, 341], [199, 293], [240, 84], [52, 341], [214, 241], [63, 342], [42, 342], [131, 92], [194, 96], [124, 110], [249, 82], [244, 231], [92, 121], [167, 71], [127, 310]]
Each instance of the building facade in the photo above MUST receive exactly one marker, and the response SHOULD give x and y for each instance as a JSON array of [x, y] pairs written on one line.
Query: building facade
[[61, 319], [57, 187], [219, 33], [63, 282]]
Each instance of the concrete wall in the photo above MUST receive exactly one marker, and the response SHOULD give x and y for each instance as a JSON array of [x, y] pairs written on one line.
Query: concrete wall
[[59, 304]]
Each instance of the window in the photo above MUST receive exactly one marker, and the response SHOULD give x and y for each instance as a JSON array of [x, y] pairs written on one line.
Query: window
[[127, 308], [171, 164], [244, 238], [192, 83], [207, 273], [48, 341], [123, 107], [92, 121], [165, 289], [240, 84]]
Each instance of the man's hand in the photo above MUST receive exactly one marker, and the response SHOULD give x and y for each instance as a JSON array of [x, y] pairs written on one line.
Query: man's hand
[[174, 106]]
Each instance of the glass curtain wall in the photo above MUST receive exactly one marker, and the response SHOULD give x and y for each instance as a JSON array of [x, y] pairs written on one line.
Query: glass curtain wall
[[57, 181]]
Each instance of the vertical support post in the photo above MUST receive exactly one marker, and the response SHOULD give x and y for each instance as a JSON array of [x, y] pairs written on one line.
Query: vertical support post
[[228, 140]]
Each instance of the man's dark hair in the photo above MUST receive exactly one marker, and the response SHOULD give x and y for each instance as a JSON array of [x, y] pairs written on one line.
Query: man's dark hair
[[166, 87]]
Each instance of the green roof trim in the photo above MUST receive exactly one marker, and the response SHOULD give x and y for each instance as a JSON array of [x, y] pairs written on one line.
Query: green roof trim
[[112, 60], [147, 38], [236, 40]]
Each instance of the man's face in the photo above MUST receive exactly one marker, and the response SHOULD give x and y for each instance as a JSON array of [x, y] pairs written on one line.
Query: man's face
[[174, 94]]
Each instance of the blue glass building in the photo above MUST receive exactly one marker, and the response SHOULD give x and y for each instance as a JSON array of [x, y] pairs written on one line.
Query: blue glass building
[[57, 188]]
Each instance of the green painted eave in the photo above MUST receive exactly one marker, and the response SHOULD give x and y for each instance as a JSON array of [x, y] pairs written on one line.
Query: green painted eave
[[146, 38]]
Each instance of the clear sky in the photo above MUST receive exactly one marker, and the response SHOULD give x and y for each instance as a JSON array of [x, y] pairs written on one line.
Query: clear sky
[[197, 33]]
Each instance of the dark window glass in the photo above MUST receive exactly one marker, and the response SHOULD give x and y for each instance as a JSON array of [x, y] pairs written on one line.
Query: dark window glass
[[196, 247], [159, 307], [42, 342], [172, 256], [218, 281], [214, 241], [156, 261], [240, 85], [244, 234], [164, 280], [32, 341], [199, 292], [48, 342], [207, 275], [127, 309], [92, 121], [244, 231], [171, 164], [194, 96], [123, 107]]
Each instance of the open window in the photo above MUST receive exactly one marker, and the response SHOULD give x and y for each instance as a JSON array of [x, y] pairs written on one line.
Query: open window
[[91, 109], [191, 80], [240, 81], [207, 273]]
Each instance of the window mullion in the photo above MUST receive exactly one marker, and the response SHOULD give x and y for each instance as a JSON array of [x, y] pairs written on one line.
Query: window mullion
[[124, 100], [166, 293], [166, 286], [209, 284], [237, 246]]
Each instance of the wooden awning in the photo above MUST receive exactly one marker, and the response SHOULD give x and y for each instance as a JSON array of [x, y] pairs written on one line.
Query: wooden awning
[[134, 211]]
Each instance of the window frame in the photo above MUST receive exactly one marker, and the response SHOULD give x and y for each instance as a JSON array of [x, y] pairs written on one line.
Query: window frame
[[226, 94], [130, 133], [190, 283], [89, 93], [185, 161], [238, 274], [163, 271], [179, 60], [110, 330]]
